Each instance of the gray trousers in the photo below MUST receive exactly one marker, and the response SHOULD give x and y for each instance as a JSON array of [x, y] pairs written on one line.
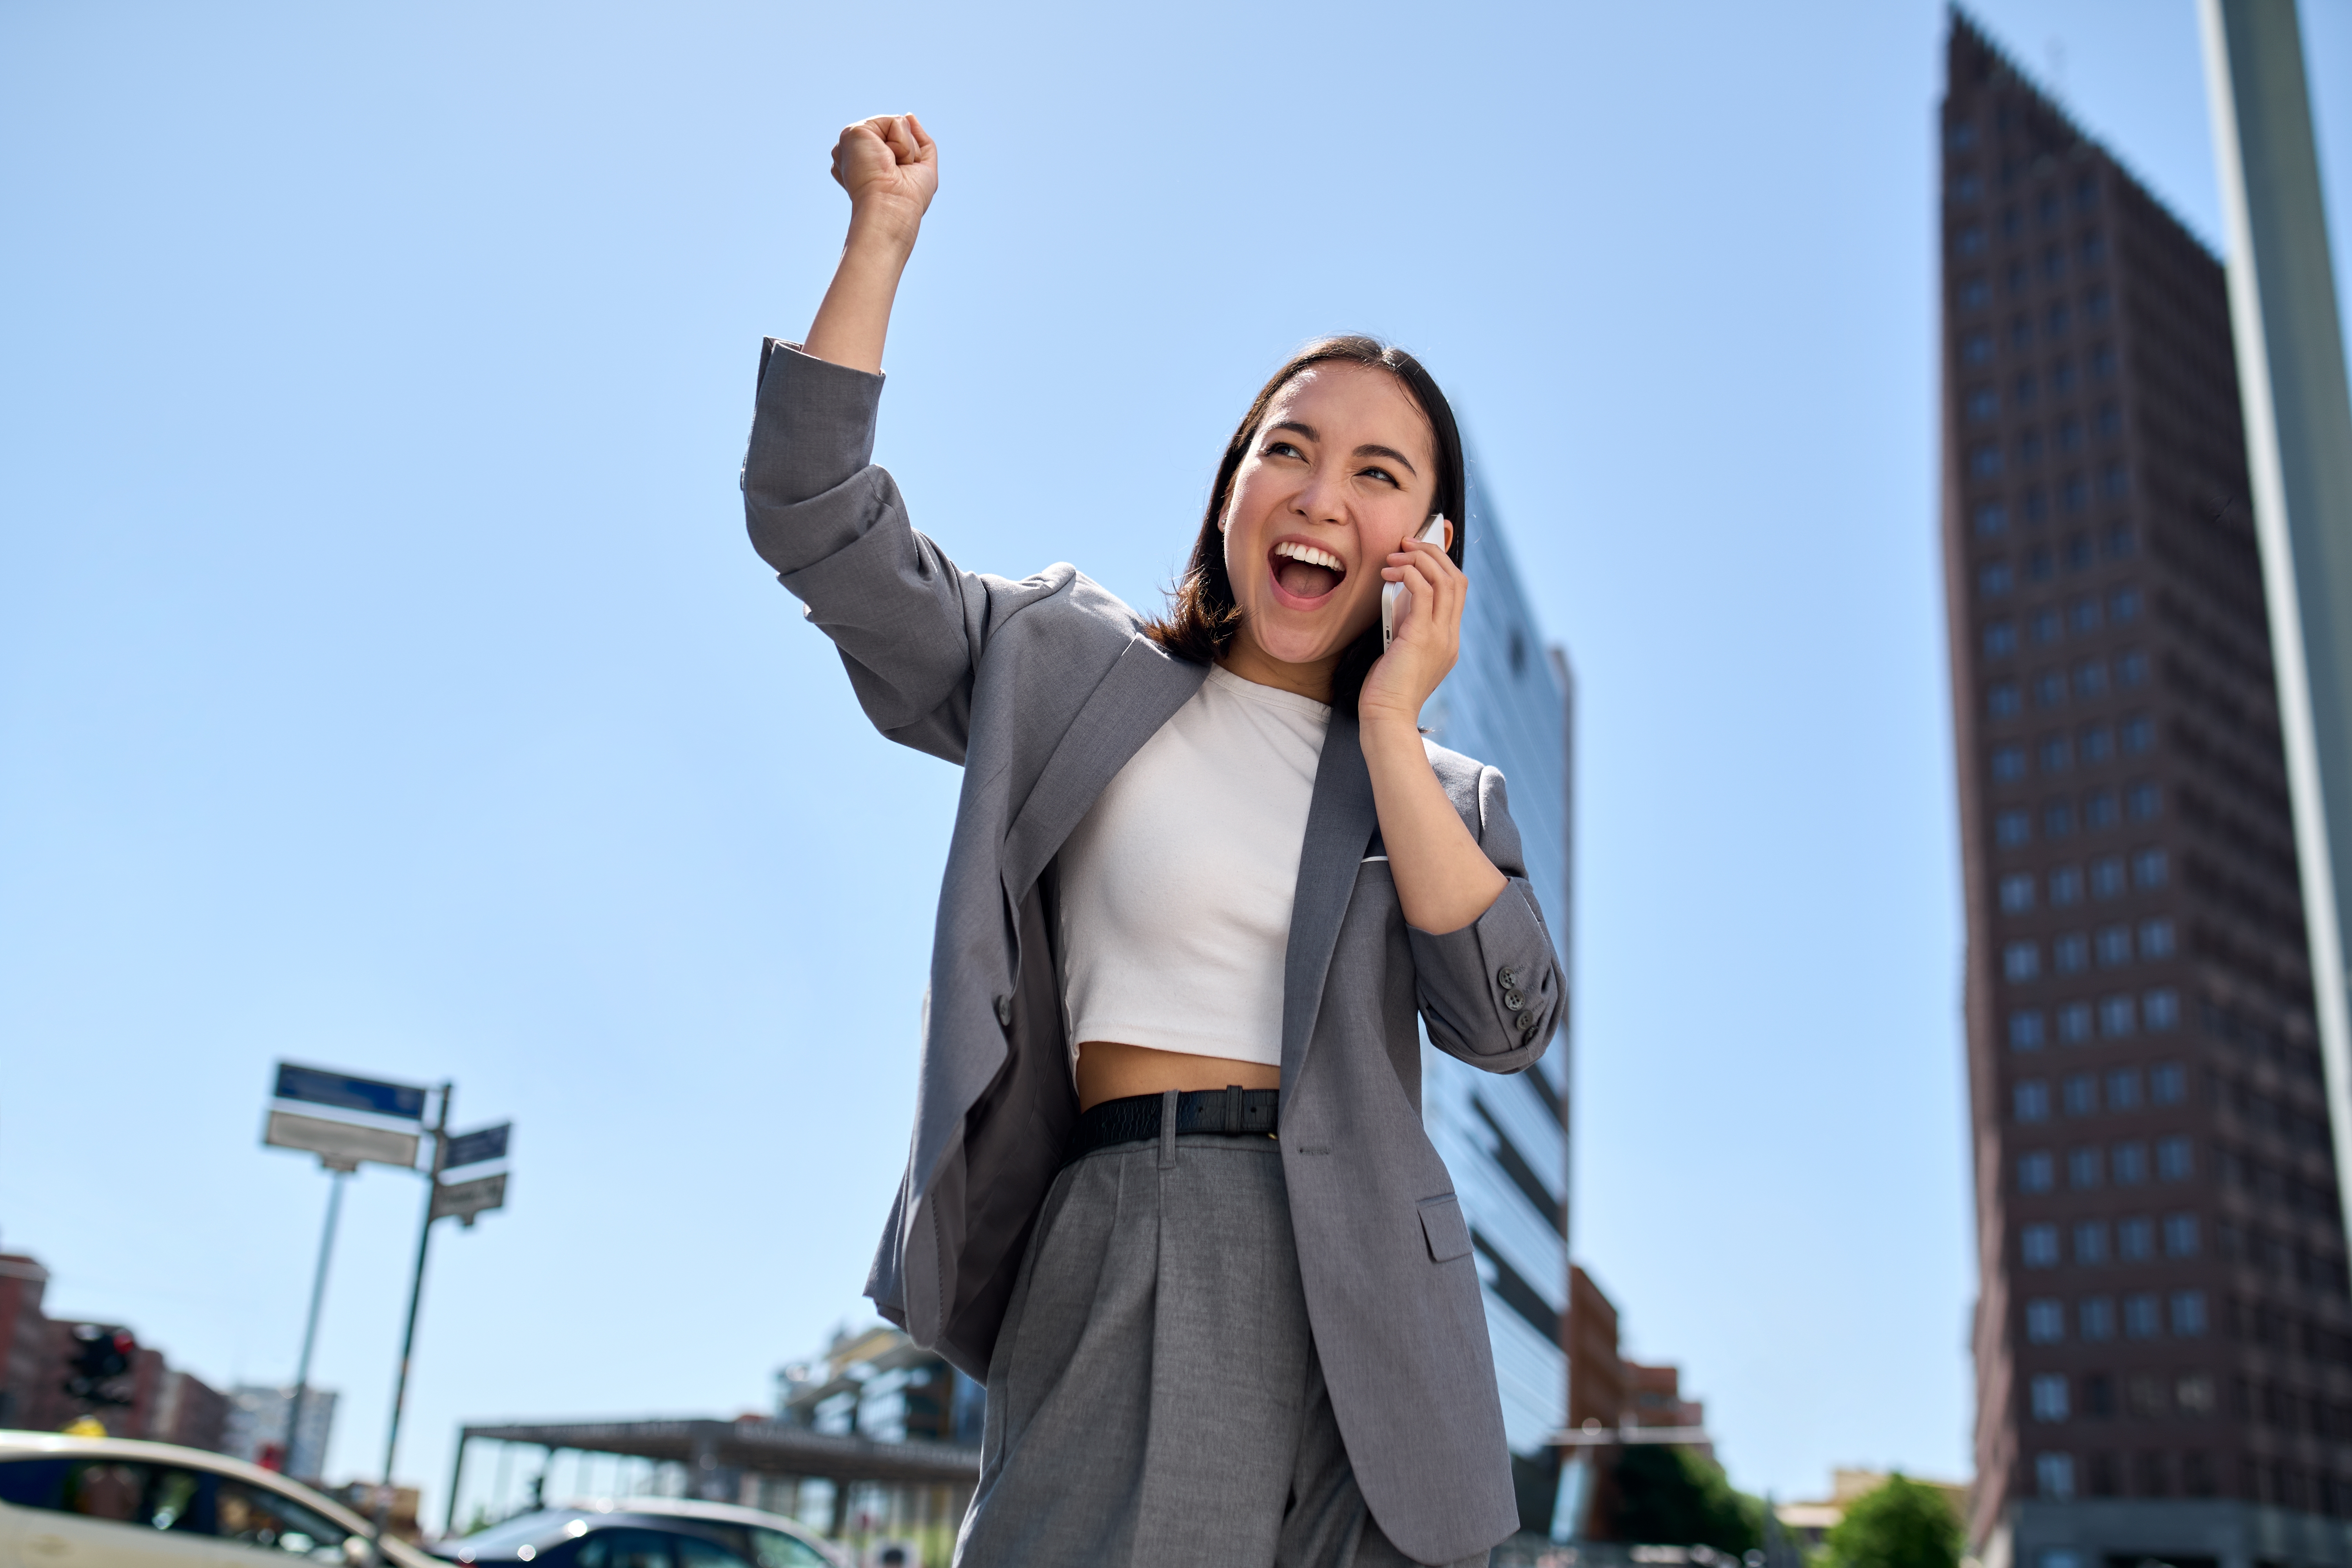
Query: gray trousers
[[1154, 1399]]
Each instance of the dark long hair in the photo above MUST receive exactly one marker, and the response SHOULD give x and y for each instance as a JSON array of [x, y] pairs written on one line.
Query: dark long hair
[[1201, 615]]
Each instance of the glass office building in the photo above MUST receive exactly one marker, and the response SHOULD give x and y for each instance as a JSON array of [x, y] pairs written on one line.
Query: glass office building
[[1510, 702]]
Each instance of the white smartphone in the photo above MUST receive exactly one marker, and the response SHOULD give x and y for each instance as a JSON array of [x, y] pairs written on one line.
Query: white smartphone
[[1393, 597]]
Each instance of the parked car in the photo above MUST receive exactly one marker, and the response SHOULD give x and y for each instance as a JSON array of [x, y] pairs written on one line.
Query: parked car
[[645, 1533], [110, 1502]]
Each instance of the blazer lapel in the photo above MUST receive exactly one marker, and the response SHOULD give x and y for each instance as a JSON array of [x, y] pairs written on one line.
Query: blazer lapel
[[1340, 819], [1144, 687]]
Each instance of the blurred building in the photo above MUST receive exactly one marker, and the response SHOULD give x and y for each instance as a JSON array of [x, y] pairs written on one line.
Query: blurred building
[[37, 1353], [2163, 1340], [255, 1428], [1809, 1523], [1653, 1397], [878, 1385], [1510, 702], [1612, 1402]]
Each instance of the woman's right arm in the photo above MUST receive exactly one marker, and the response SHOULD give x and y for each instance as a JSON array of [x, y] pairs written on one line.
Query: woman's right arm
[[908, 623]]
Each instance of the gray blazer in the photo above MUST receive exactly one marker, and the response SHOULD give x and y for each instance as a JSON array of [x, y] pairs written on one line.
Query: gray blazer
[[1042, 688]]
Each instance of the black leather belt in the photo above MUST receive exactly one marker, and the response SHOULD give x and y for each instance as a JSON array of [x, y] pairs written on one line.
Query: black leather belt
[[1232, 1110]]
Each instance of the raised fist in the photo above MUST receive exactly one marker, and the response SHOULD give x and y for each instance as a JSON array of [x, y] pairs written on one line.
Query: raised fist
[[889, 166]]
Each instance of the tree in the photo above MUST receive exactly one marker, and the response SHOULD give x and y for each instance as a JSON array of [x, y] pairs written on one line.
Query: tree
[[1900, 1524], [1670, 1497]]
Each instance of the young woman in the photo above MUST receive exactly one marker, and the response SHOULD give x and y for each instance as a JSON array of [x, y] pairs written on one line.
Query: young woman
[[1169, 1191]]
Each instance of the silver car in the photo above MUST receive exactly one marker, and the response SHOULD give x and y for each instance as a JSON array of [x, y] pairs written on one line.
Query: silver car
[[110, 1502]]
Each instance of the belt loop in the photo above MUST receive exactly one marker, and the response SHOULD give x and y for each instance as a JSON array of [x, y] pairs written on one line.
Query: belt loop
[[1168, 1130], [1232, 1110]]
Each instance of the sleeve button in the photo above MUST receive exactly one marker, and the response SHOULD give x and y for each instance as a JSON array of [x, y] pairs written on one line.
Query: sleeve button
[[1508, 976], [1514, 1000], [1525, 1020]]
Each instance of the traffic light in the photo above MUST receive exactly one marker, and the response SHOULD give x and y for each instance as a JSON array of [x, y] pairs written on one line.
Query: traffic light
[[98, 1355]]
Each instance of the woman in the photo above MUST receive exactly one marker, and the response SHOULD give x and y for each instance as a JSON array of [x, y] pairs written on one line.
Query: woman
[[1169, 1192]]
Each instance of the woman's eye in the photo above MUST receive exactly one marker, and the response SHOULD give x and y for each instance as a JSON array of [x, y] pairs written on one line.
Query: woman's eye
[[1383, 475], [1282, 449]]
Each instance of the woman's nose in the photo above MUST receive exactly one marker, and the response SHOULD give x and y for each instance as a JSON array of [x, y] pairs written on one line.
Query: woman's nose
[[1321, 498]]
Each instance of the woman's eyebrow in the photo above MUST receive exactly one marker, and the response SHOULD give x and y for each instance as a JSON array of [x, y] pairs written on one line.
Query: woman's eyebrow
[[1371, 452], [1303, 429]]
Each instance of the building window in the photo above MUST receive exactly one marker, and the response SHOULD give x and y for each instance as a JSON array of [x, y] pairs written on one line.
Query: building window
[[2175, 1160], [2131, 1162], [2114, 481], [2073, 495], [2119, 539], [2099, 810], [2168, 1082], [1975, 292], [2091, 1241], [2037, 1244], [2008, 764], [1976, 348], [2123, 606], [2049, 1396], [1984, 461], [2065, 886], [2131, 669], [2097, 744], [2070, 954], [2102, 362], [1972, 240], [2082, 1094], [2143, 802], [2139, 734], [2123, 1089], [2083, 615], [2029, 447], [2135, 1238], [2020, 961], [1992, 520], [2187, 1314], [2162, 1010], [2095, 1318], [2025, 1031], [2070, 435], [2095, 304], [2058, 818], [1960, 135], [2149, 869], [2107, 876], [2054, 1477], [2050, 688], [2036, 1173], [2116, 1020], [2053, 263], [1983, 404], [2017, 894], [2075, 1023], [2180, 1236], [1999, 638], [2155, 939], [2021, 333], [2012, 829], [2045, 1321], [2023, 391], [2085, 1169], [2194, 1394], [2090, 680], [2033, 1096], [2002, 699], [2140, 1318], [2057, 754], [2115, 946], [2060, 317]]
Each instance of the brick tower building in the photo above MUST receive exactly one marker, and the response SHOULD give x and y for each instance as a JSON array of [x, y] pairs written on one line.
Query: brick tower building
[[2163, 1337]]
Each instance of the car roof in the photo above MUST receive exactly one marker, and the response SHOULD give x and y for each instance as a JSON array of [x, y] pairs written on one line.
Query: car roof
[[695, 1508], [28, 1445]]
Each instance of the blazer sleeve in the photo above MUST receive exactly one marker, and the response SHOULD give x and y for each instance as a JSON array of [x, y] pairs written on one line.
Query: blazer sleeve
[[1492, 993], [909, 625]]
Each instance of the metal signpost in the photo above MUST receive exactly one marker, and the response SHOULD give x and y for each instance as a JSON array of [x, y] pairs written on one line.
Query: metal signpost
[[342, 1145]]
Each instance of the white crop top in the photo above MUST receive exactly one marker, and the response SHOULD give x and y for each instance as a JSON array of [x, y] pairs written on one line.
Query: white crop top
[[1176, 888]]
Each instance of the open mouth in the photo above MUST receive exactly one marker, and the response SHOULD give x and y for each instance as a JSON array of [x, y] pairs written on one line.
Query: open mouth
[[1303, 571]]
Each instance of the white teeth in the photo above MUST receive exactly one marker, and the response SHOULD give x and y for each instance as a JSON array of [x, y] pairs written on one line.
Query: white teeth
[[1309, 554]]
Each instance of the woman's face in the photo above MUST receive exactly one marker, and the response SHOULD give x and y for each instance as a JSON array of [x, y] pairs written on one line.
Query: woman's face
[[1341, 472]]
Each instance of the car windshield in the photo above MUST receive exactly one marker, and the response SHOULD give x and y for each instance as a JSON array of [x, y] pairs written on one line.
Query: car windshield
[[524, 1530]]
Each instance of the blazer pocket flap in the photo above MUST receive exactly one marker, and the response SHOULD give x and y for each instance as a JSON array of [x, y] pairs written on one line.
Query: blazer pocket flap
[[1443, 1226]]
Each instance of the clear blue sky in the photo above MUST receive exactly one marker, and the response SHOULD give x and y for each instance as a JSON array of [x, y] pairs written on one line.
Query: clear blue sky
[[385, 681]]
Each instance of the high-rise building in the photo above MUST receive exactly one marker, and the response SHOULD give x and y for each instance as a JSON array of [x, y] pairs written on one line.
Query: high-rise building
[[1510, 702], [256, 1427], [2163, 1336]]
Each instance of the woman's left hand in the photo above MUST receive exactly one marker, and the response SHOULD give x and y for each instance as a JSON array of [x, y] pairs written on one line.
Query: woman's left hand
[[1428, 634]]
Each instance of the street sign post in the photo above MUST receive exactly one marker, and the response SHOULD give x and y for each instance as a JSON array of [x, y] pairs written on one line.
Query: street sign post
[[341, 1145], [348, 1091], [466, 1199], [476, 1147]]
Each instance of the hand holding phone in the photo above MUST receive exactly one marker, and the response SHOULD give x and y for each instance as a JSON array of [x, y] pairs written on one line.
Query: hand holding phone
[[1393, 597]]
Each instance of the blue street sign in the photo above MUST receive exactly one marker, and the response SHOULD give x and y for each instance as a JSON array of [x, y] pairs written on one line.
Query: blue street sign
[[323, 1086], [473, 1148]]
